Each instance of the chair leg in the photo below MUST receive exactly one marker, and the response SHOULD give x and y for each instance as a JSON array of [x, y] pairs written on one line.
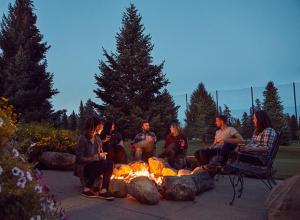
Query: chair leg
[[241, 179], [233, 186]]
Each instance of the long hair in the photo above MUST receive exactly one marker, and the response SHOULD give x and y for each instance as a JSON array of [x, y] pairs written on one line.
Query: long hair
[[106, 129], [263, 121], [177, 127], [90, 126]]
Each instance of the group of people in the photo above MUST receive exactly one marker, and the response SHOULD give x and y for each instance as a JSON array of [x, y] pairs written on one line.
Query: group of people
[[101, 146]]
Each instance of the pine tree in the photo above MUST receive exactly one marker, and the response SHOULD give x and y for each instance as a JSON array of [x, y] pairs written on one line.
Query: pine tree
[[129, 85], [258, 105], [65, 123], [23, 75], [293, 127], [227, 113], [200, 115], [246, 126], [272, 105], [81, 117], [72, 121]]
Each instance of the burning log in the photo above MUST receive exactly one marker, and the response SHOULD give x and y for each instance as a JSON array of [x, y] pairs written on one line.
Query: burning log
[[156, 165], [183, 172], [143, 190], [168, 172], [121, 170], [139, 166]]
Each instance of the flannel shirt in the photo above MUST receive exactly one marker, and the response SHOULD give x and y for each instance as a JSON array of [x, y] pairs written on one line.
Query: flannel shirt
[[265, 138]]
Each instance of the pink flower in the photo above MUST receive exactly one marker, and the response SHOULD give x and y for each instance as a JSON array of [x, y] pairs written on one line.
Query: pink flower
[[17, 171], [28, 175], [15, 153], [38, 188]]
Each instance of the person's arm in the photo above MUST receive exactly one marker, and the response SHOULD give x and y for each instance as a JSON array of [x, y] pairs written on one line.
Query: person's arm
[[236, 139]]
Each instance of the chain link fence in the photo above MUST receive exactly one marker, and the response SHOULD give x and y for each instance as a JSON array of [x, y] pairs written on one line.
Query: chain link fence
[[241, 100]]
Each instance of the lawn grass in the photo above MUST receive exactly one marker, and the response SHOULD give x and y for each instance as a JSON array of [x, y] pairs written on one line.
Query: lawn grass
[[287, 160]]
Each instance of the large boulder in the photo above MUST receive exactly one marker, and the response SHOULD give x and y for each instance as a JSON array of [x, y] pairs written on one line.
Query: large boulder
[[57, 160], [179, 188], [118, 187], [203, 181], [283, 201], [156, 165], [143, 190]]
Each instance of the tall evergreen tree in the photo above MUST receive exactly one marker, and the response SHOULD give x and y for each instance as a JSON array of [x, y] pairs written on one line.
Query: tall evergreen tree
[[293, 127], [258, 105], [65, 122], [246, 126], [227, 113], [23, 75], [200, 115], [81, 117], [72, 121], [272, 105], [129, 85]]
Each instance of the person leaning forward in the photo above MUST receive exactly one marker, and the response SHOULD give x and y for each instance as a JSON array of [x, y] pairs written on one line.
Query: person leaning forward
[[226, 140]]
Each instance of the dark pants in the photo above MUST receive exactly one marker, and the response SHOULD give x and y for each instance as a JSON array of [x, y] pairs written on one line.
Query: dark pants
[[226, 150], [96, 168], [173, 152], [203, 156]]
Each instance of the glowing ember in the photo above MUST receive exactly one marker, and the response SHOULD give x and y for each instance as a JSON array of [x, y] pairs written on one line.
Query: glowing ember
[[143, 172]]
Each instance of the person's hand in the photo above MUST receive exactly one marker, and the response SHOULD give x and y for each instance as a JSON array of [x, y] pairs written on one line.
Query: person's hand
[[102, 156], [182, 143], [96, 157], [149, 138], [107, 138]]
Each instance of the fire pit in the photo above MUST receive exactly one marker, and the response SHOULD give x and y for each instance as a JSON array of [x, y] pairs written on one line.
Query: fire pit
[[147, 182]]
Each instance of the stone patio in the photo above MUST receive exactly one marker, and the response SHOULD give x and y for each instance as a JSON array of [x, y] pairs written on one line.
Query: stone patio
[[209, 205]]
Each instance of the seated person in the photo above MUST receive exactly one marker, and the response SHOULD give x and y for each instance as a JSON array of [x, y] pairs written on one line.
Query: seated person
[[226, 140], [143, 144], [113, 143], [262, 140], [176, 144], [90, 155]]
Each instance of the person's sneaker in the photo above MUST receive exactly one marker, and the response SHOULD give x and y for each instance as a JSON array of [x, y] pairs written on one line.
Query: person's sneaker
[[89, 194], [105, 195]]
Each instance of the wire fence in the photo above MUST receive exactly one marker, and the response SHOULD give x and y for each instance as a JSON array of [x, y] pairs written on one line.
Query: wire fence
[[241, 100]]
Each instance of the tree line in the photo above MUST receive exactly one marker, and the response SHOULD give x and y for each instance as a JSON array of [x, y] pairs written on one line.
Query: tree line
[[130, 87]]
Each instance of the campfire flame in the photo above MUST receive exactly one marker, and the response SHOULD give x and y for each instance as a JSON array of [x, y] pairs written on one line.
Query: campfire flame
[[157, 179]]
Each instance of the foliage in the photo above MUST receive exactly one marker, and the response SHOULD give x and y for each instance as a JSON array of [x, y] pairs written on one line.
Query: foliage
[[35, 138], [23, 75], [200, 115], [129, 84]]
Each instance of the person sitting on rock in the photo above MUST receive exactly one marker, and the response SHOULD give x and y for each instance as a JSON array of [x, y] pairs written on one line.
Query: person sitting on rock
[[143, 144], [90, 155], [113, 143], [175, 147], [226, 140]]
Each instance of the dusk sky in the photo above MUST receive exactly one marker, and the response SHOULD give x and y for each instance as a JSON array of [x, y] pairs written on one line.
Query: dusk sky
[[226, 44]]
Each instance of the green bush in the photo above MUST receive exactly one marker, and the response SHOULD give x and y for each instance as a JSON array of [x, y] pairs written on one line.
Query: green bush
[[35, 138]]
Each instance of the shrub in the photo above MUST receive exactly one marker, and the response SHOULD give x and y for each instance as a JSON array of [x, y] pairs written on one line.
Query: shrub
[[35, 138]]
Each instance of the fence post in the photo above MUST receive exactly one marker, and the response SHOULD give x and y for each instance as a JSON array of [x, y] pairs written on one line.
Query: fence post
[[217, 99], [252, 101], [295, 102]]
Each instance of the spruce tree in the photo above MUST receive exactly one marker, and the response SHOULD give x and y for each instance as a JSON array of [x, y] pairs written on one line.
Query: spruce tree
[[293, 127], [81, 117], [272, 105], [129, 84], [24, 78], [65, 123], [200, 115], [227, 113], [72, 121], [258, 105], [246, 126]]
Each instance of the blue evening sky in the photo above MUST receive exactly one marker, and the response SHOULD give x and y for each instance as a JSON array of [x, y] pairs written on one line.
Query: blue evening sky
[[226, 44]]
